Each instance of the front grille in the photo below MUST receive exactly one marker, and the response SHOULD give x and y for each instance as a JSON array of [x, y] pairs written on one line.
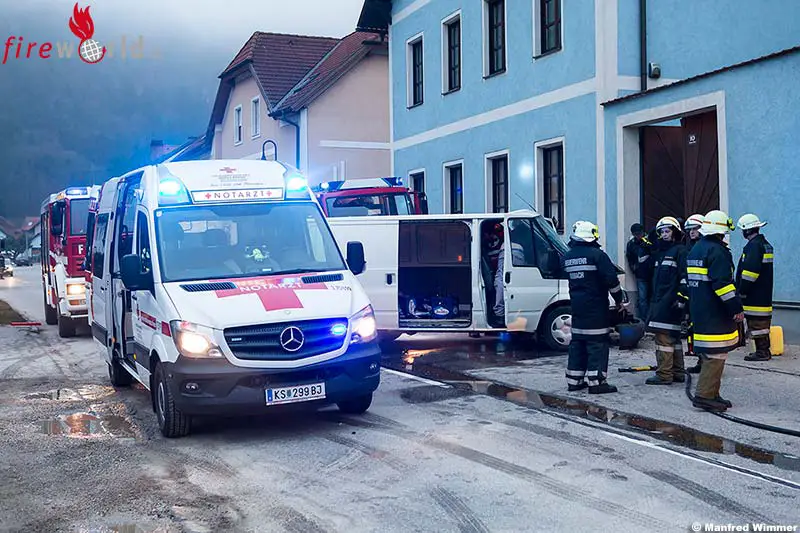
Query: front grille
[[263, 342], [323, 278], [205, 287]]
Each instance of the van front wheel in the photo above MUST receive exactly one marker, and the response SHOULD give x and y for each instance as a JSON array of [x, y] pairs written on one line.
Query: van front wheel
[[357, 405], [171, 422], [555, 330]]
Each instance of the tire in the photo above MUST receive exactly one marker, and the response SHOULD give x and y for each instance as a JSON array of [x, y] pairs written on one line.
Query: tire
[[357, 405], [50, 313], [118, 376], [555, 330], [171, 422], [66, 327]]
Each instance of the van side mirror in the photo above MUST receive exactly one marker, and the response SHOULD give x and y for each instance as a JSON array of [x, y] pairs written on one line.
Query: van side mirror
[[132, 276], [355, 257]]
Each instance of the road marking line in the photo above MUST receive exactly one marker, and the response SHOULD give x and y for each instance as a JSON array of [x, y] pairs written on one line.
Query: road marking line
[[416, 378]]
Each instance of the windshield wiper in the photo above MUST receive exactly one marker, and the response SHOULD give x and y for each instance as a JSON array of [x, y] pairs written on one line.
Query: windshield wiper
[[298, 271]]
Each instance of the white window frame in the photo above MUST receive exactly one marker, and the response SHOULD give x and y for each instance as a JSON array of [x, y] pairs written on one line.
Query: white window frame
[[446, 166], [255, 117], [537, 27], [449, 19], [238, 128], [487, 178], [416, 171], [485, 40], [538, 149], [418, 38]]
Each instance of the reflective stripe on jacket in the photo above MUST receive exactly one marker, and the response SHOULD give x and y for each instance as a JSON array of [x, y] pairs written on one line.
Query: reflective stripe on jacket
[[754, 277], [713, 299], [592, 276]]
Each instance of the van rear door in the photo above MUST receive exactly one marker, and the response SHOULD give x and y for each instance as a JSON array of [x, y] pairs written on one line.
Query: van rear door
[[380, 238], [526, 291]]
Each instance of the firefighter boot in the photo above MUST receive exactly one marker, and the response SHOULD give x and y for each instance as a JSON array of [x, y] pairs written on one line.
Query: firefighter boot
[[678, 367], [762, 352], [708, 384], [664, 356], [603, 388]]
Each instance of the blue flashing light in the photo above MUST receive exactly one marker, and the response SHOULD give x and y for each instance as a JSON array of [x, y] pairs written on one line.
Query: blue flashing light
[[296, 183], [169, 187], [324, 186], [339, 329], [76, 190]]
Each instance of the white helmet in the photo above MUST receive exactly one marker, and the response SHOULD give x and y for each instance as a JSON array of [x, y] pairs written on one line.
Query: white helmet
[[585, 231], [693, 222], [750, 221], [668, 221], [716, 222]]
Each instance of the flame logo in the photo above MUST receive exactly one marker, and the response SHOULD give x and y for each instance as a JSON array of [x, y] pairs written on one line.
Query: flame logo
[[82, 26]]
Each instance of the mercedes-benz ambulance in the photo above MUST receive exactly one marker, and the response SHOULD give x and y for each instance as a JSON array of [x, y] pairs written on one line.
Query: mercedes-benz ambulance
[[219, 286]]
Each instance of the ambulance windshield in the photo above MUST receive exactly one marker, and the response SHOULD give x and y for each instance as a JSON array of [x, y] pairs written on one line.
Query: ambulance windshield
[[244, 240]]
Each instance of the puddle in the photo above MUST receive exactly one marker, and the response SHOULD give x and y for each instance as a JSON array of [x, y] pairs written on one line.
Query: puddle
[[431, 393], [88, 392], [666, 431], [84, 425]]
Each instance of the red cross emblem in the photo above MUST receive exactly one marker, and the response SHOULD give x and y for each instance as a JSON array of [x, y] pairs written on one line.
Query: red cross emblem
[[275, 292], [228, 170], [208, 196]]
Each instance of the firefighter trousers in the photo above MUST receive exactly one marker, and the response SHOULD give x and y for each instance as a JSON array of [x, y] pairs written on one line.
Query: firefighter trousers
[[589, 359], [759, 327], [710, 379], [669, 357]]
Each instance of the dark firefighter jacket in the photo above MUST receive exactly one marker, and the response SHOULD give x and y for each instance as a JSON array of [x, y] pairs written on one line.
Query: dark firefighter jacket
[[754, 277], [670, 292], [712, 297], [592, 276], [637, 253]]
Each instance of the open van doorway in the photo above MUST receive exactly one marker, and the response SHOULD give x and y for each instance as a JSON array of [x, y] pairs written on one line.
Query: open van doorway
[[435, 274]]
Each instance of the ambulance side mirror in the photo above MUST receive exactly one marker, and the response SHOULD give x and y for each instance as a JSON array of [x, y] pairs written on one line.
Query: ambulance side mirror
[[355, 257], [133, 277]]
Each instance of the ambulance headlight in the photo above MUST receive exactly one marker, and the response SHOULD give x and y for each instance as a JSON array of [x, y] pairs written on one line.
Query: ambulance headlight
[[192, 340], [74, 289], [364, 327]]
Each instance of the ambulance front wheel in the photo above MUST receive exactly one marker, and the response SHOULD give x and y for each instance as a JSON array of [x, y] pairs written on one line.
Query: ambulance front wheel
[[118, 376], [357, 405], [171, 421]]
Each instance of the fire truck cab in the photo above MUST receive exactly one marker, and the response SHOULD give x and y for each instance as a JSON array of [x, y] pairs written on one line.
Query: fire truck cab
[[369, 197], [63, 221]]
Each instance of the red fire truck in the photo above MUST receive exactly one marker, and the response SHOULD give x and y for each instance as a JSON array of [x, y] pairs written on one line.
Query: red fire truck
[[370, 196], [64, 218]]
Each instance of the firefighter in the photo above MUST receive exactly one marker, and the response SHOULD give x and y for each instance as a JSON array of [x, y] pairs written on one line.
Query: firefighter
[[637, 253], [714, 306], [754, 281], [592, 276], [668, 302], [692, 231]]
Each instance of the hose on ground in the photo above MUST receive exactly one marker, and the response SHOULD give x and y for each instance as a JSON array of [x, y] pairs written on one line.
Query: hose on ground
[[751, 423]]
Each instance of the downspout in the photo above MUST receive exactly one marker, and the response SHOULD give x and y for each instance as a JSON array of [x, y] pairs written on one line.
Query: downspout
[[282, 117], [642, 88]]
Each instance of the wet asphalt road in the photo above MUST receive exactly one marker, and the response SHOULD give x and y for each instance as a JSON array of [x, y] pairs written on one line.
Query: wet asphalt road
[[77, 455]]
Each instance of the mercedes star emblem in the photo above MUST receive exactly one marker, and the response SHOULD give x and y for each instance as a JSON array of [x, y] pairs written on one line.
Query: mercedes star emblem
[[292, 339]]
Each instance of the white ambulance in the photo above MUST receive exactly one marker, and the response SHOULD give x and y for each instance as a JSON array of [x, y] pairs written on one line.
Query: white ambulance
[[436, 273], [219, 286]]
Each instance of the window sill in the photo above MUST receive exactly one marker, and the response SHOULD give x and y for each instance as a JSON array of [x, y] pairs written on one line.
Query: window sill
[[256, 136], [547, 54], [412, 106], [494, 74], [451, 91], [237, 143]]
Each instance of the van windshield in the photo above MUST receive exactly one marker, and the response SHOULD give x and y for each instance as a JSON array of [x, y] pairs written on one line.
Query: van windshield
[[237, 241], [549, 233]]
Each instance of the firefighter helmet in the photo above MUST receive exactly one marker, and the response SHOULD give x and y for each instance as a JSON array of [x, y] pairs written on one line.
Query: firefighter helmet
[[750, 221], [668, 221], [717, 222], [585, 231], [693, 222]]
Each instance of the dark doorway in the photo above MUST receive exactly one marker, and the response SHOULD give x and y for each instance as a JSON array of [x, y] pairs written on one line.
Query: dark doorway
[[680, 168]]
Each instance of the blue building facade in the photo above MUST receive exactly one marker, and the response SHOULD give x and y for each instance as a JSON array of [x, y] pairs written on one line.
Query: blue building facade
[[600, 110]]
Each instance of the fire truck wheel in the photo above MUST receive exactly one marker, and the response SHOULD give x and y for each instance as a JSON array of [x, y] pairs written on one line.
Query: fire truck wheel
[[171, 421], [355, 406], [66, 326], [118, 376], [50, 314]]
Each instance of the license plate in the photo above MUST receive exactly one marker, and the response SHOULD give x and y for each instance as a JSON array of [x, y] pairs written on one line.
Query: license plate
[[295, 393]]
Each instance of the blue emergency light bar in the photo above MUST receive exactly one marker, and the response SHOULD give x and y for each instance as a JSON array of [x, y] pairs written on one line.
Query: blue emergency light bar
[[76, 191]]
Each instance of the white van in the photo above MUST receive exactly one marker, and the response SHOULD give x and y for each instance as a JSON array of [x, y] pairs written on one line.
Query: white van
[[430, 273], [219, 286]]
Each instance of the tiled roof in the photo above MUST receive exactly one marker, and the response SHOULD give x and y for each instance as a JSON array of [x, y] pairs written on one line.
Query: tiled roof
[[339, 61], [280, 60]]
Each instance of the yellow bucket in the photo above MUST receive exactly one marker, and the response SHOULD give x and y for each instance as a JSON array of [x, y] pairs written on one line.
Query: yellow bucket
[[775, 341]]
